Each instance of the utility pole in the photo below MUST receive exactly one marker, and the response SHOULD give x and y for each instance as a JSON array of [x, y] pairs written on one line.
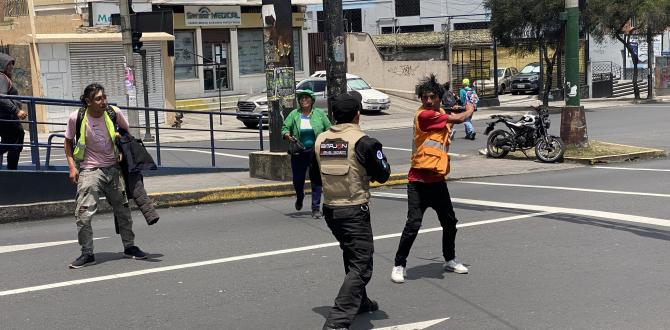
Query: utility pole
[[336, 74], [279, 66], [450, 54], [126, 38], [651, 58], [573, 118]]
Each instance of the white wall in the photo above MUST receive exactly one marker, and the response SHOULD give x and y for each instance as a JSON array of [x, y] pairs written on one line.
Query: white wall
[[607, 51]]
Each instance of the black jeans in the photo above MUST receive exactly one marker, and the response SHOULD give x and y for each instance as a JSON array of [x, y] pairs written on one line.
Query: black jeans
[[351, 227], [11, 133], [299, 166], [421, 196]]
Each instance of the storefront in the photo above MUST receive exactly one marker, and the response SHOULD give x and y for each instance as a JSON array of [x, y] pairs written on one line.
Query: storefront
[[221, 47]]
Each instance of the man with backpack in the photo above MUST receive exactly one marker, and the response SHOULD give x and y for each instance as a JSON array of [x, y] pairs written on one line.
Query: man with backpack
[[93, 161], [468, 96]]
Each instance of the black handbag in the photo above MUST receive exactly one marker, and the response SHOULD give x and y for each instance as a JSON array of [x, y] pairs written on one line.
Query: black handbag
[[295, 148]]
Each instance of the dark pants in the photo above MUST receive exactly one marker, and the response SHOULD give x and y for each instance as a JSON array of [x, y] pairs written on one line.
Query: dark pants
[[10, 133], [351, 227], [299, 166], [421, 196]]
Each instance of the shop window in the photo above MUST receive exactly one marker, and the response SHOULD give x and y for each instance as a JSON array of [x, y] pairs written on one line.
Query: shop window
[[184, 54], [297, 49], [407, 8], [250, 49]]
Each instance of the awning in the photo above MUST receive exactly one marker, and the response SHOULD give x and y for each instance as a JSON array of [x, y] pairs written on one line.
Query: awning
[[66, 38]]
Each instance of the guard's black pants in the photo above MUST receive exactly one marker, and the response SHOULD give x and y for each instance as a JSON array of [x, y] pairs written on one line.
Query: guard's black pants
[[351, 227], [11, 133], [421, 196]]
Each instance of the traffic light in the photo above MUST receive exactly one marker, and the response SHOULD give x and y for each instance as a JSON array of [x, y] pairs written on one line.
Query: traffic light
[[137, 44]]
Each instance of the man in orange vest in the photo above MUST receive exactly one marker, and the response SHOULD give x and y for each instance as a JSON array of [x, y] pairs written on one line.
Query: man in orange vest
[[427, 176]]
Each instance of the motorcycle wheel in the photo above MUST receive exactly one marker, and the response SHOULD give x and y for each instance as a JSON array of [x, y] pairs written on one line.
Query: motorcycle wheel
[[496, 139], [550, 150]]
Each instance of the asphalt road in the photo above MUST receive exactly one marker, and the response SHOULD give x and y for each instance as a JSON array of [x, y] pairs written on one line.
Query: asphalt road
[[640, 125], [542, 255]]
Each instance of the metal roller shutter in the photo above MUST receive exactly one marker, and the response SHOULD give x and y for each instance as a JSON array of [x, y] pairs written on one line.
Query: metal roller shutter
[[103, 63]]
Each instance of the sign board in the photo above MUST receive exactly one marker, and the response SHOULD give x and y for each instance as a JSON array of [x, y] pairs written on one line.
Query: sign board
[[665, 53], [102, 11], [212, 15], [663, 75]]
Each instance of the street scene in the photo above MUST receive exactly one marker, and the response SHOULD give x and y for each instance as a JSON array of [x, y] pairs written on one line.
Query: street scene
[[334, 164]]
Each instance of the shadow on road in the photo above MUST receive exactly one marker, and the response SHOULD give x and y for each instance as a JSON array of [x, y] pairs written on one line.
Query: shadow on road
[[362, 321], [102, 257]]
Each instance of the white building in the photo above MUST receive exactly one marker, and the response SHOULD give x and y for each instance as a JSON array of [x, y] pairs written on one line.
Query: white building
[[391, 16]]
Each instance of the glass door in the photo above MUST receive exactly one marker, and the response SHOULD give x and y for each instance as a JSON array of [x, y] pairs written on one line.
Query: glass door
[[216, 66]]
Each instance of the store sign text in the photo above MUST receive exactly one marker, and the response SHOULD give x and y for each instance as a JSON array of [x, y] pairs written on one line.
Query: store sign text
[[212, 15]]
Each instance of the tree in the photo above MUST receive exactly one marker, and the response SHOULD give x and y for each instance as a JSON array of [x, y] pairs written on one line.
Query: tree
[[654, 15], [527, 26], [623, 19]]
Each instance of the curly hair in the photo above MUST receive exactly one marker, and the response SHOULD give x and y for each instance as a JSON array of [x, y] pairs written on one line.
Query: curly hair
[[429, 84], [89, 92]]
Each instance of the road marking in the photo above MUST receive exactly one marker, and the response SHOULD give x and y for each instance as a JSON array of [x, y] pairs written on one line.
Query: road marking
[[631, 169], [616, 192], [206, 152], [410, 150], [239, 258], [414, 326], [551, 209], [22, 247]]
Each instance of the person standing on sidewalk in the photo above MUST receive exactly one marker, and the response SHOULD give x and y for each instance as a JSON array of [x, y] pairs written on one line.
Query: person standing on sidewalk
[[468, 96], [348, 160], [93, 160], [304, 124], [427, 186], [11, 131]]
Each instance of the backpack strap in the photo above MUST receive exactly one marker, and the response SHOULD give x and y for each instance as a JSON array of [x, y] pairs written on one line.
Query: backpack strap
[[80, 118]]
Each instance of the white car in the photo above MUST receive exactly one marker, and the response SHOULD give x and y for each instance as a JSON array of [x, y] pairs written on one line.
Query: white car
[[371, 99]]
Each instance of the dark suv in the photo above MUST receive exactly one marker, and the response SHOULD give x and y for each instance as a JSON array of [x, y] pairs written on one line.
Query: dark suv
[[528, 80]]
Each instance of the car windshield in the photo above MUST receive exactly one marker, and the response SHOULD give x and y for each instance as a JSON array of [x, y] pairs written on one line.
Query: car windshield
[[501, 72], [531, 69], [357, 84]]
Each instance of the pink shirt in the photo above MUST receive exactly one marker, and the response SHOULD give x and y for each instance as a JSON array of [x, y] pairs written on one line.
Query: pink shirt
[[99, 146]]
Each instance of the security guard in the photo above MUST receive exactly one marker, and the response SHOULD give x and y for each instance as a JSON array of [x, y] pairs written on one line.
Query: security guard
[[348, 160]]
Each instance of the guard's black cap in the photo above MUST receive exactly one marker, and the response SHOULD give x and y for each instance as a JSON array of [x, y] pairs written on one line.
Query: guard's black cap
[[345, 108]]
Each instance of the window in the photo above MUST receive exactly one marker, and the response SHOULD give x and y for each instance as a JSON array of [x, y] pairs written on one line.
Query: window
[[297, 50], [184, 54], [407, 8], [250, 49], [305, 85], [357, 84], [319, 86]]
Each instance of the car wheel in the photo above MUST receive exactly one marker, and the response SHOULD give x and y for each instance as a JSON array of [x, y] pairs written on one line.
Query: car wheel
[[251, 124], [502, 89]]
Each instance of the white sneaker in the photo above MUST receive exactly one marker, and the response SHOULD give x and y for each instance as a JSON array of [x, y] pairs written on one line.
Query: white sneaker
[[455, 266], [398, 274]]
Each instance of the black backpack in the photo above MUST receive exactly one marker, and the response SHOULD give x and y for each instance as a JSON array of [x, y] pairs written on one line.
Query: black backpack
[[80, 117]]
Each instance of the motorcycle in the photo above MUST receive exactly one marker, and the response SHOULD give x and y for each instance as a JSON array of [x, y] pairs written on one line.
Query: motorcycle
[[531, 131]]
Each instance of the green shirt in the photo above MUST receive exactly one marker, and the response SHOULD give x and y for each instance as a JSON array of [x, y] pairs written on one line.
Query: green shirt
[[318, 119]]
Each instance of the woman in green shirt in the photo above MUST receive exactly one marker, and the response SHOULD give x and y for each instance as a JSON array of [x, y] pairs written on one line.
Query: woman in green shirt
[[304, 124]]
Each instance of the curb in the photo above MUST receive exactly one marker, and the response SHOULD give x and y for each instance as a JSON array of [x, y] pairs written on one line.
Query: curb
[[47, 210], [649, 154]]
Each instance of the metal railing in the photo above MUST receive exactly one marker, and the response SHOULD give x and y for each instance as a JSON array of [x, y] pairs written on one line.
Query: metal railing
[[35, 144]]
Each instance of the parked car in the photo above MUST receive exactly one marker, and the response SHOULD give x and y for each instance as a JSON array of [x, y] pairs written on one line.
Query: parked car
[[371, 99], [527, 80], [504, 80]]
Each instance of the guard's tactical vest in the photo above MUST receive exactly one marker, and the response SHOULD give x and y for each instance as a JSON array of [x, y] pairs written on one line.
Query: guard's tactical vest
[[430, 150], [345, 181], [80, 145]]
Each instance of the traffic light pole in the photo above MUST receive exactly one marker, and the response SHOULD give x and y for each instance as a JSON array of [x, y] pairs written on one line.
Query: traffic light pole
[[145, 89], [126, 38]]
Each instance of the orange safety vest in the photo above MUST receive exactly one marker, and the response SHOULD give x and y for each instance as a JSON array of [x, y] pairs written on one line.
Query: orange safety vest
[[430, 150]]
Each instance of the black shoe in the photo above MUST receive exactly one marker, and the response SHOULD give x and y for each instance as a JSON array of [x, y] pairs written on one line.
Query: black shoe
[[316, 214], [298, 204], [333, 327], [368, 305], [134, 252], [472, 136], [83, 261], [152, 221]]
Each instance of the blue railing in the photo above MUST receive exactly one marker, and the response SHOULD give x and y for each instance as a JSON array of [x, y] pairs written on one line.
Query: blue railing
[[35, 145]]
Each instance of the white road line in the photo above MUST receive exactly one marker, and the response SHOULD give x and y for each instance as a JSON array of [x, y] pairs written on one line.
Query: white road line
[[410, 150], [551, 209], [616, 192], [22, 247], [631, 169], [206, 152], [414, 326], [239, 258]]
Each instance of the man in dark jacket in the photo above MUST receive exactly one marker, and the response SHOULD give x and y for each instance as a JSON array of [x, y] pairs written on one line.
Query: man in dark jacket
[[11, 131]]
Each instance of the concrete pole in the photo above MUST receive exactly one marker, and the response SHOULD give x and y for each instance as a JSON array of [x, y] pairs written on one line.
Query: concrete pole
[[335, 51], [573, 118], [126, 40]]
